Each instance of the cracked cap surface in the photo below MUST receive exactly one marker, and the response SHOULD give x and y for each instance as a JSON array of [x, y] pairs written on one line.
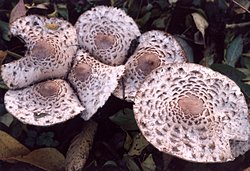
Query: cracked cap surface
[[193, 113]]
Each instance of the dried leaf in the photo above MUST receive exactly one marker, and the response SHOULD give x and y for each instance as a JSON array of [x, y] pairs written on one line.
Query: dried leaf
[[247, 169], [200, 23], [49, 159], [18, 11], [148, 164], [78, 151], [234, 51], [10, 147], [3, 55], [241, 6], [139, 143]]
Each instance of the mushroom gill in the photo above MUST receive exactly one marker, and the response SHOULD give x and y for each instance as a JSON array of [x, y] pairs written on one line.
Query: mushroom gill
[[43, 104], [193, 113], [155, 48], [106, 33], [93, 81]]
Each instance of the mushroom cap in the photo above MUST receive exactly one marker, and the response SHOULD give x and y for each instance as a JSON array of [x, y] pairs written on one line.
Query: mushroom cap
[[43, 104], [93, 81], [192, 112], [155, 48], [50, 51], [106, 33]]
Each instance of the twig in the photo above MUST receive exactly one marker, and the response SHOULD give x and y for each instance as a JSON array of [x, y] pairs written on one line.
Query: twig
[[231, 26], [241, 6], [15, 55]]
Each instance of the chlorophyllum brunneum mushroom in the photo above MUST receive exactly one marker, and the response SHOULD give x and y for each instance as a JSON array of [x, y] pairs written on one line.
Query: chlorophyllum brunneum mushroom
[[43, 104], [106, 33], [193, 113], [155, 48], [93, 81], [51, 46]]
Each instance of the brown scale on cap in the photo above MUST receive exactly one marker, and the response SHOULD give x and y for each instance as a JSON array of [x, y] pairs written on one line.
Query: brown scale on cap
[[82, 71], [49, 88], [191, 105], [103, 41], [147, 62], [42, 49]]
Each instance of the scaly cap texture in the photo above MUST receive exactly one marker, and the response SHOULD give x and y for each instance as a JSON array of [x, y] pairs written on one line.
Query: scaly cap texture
[[93, 81], [106, 33], [192, 112], [43, 104], [51, 46], [155, 48]]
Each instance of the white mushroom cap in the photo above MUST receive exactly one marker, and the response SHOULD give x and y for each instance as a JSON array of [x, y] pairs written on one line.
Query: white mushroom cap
[[106, 32], [155, 48], [192, 112], [43, 104], [50, 51], [93, 81]]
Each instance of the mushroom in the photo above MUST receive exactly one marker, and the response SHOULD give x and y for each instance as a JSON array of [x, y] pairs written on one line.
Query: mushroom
[[155, 48], [43, 104], [93, 81], [50, 51], [106, 33], [192, 112]]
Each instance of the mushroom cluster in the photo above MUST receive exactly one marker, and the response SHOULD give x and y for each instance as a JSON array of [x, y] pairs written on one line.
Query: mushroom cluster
[[56, 81], [183, 109]]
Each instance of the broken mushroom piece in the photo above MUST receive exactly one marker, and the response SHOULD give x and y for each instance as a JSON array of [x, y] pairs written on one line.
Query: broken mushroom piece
[[106, 33], [93, 81], [155, 48], [51, 46], [43, 104], [192, 112]]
